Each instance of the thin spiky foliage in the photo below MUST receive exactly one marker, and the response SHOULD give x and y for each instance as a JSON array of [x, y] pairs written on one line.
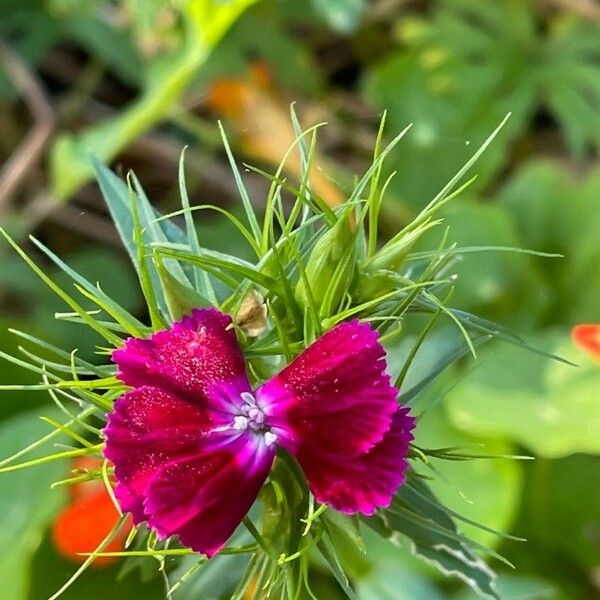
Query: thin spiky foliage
[[314, 266]]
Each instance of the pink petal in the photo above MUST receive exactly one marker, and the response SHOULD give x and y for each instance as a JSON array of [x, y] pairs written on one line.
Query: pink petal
[[363, 483], [147, 428], [197, 358], [203, 498], [335, 398]]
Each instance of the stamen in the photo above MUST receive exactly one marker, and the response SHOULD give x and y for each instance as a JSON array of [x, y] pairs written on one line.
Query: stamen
[[256, 415], [270, 438], [248, 398], [251, 416], [240, 422]]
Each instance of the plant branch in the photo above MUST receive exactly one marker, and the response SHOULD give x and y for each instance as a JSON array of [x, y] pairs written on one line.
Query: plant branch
[[31, 148]]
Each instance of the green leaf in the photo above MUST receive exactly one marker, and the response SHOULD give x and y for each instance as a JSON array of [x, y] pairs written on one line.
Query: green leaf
[[250, 214], [346, 538], [119, 199], [112, 308], [180, 299], [444, 130], [330, 267], [216, 577], [27, 504], [432, 536], [145, 269], [486, 491], [492, 283], [90, 321], [202, 281], [518, 587], [392, 580], [571, 82], [229, 269], [560, 519], [555, 211], [438, 81], [327, 550], [549, 407]]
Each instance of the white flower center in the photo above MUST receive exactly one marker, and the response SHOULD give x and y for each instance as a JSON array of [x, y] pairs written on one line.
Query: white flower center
[[251, 416]]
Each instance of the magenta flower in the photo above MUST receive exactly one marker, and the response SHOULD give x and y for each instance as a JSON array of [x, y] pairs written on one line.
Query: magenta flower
[[192, 444]]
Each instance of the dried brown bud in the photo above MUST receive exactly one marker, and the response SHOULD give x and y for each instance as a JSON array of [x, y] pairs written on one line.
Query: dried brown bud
[[251, 317]]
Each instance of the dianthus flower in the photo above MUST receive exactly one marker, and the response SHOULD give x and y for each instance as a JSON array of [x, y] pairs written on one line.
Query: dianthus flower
[[192, 443]]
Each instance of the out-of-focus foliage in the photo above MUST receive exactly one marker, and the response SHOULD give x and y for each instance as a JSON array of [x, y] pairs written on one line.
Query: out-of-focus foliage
[[161, 63], [26, 507], [557, 404], [461, 69]]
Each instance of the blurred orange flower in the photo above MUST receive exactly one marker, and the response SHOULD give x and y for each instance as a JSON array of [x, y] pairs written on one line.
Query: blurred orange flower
[[261, 118], [587, 337], [88, 519]]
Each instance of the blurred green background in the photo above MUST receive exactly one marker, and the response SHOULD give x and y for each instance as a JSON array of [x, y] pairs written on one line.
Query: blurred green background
[[133, 81]]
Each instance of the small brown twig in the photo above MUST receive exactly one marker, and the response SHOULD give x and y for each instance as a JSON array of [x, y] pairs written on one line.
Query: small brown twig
[[31, 148]]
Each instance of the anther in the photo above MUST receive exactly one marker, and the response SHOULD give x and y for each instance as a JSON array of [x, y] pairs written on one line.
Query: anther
[[240, 422], [270, 438]]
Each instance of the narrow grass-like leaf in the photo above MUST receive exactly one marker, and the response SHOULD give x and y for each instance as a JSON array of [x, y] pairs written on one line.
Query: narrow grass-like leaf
[[435, 503], [320, 205], [287, 295], [375, 198], [52, 457], [375, 166], [90, 559], [73, 317], [229, 216], [450, 358], [180, 299], [54, 366], [152, 231], [68, 431], [101, 371], [472, 249], [146, 283], [45, 439], [116, 197], [202, 280], [492, 329], [93, 324], [332, 561], [223, 262], [415, 348], [454, 318], [250, 214], [117, 312], [355, 310], [446, 189]]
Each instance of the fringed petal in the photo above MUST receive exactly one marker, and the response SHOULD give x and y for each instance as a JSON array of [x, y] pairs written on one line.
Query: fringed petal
[[147, 428], [203, 498], [364, 483], [197, 358], [335, 398]]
